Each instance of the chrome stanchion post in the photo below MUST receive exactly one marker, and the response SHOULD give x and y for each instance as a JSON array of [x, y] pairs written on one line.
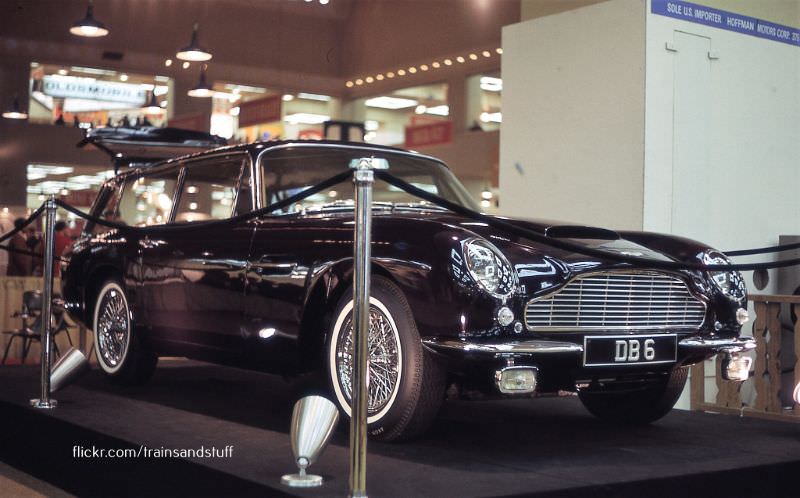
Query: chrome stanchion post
[[44, 400], [363, 179]]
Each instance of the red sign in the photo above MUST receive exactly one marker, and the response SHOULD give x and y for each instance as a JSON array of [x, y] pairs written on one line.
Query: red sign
[[429, 134], [260, 111], [81, 198], [196, 122]]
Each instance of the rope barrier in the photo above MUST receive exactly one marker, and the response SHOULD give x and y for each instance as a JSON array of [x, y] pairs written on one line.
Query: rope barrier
[[569, 246], [27, 222], [324, 185], [439, 201], [764, 250]]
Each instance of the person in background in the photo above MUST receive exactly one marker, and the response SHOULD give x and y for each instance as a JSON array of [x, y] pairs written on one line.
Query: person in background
[[62, 244], [35, 245], [19, 263]]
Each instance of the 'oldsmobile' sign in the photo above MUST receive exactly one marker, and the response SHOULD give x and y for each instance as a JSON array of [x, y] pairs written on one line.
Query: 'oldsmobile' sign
[[91, 89]]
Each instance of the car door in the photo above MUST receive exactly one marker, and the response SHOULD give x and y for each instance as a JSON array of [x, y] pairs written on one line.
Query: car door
[[196, 303]]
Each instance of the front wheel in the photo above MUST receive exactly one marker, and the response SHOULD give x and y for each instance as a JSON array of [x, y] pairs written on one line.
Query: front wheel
[[405, 385], [120, 353], [640, 406]]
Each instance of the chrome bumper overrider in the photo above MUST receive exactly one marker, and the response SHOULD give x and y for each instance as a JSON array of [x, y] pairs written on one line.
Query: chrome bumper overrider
[[733, 345], [533, 346]]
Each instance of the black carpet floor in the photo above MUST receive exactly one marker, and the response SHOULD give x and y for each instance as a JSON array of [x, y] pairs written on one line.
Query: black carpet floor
[[546, 447]]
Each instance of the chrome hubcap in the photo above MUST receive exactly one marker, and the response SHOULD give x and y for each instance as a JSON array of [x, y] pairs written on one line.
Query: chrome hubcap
[[383, 372], [112, 328]]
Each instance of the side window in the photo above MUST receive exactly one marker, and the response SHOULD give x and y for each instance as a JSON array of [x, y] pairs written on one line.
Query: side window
[[147, 198], [107, 207], [209, 189]]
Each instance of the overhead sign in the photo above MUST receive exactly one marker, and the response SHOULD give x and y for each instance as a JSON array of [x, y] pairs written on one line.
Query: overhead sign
[[70, 87], [437, 133], [261, 111], [729, 21]]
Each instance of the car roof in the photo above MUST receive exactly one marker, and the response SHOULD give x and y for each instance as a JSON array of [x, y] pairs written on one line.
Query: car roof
[[255, 148]]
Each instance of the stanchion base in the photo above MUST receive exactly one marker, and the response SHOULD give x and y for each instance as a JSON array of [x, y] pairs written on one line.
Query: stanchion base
[[45, 405], [301, 481]]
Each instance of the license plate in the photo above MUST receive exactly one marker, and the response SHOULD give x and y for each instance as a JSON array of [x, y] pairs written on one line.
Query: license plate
[[611, 350]]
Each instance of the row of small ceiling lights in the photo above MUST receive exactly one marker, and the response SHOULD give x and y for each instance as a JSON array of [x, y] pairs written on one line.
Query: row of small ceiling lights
[[423, 67]]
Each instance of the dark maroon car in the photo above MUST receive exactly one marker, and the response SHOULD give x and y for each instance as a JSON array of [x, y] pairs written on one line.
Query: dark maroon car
[[458, 307]]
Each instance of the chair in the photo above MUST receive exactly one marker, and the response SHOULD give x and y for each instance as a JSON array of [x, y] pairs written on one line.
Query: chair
[[32, 309]]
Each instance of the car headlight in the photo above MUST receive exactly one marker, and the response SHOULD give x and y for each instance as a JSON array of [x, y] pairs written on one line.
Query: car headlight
[[489, 268], [730, 283]]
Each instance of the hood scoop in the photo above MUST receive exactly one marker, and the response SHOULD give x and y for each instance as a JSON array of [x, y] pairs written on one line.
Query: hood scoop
[[580, 232]]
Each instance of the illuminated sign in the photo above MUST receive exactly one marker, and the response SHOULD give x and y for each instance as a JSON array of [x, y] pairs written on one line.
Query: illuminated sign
[[70, 87]]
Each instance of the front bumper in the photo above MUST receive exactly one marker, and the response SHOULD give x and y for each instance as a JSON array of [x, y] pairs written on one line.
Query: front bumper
[[560, 363]]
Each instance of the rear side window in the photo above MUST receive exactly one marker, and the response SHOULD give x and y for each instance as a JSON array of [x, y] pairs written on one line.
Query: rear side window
[[107, 207], [209, 189], [147, 198]]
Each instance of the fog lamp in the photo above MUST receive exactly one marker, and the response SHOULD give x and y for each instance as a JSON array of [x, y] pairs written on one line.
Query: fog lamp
[[505, 316], [516, 380], [736, 367], [742, 316]]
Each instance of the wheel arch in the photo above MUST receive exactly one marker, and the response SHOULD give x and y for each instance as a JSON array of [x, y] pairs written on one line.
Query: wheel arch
[[324, 294]]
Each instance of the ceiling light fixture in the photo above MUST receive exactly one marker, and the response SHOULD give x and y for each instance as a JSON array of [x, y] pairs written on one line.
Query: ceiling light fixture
[[168, 62], [202, 89], [287, 97], [473, 57], [359, 81], [390, 75], [392, 103], [379, 77], [424, 67], [486, 53], [401, 72], [194, 52], [349, 84], [369, 79], [435, 65], [412, 70], [16, 111], [89, 26], [185, 65], [123, 77], [460, 59], [499, 50], [448, 62]]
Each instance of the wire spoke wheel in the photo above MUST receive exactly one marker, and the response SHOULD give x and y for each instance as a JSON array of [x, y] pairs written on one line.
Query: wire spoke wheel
[[113, 328], [383, 373]]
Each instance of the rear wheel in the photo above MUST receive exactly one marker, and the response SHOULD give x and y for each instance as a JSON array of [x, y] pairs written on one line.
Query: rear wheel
[[405, 385], [119, 351], [637, 407]]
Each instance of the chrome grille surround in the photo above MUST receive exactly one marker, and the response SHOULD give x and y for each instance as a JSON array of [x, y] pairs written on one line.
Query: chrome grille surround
[[617, 300]]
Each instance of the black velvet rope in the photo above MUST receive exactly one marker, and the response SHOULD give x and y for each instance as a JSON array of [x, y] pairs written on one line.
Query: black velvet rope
[[456, 208], [324, 185], [569, 246], [28, 221], [764, 250]]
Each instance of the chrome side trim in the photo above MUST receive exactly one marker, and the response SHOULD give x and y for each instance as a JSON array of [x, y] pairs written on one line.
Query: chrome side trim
[[735, 345], [535, 346]]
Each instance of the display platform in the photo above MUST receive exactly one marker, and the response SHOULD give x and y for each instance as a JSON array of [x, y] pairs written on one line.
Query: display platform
[[546, 447]]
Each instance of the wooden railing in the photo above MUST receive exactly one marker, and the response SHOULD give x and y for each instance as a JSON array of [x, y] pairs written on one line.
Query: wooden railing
[[766, 330]]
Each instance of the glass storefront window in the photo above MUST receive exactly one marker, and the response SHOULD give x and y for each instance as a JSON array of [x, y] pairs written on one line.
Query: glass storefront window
[[484, 93], [91, 97], [387, 116]]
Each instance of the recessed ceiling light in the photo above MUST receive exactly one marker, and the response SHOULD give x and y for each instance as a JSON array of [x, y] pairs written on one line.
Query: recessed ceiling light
[[386, 102], [401, 72], [435, 65], [288, 97], [186, 65], [424, 67], [123, 77], [369, 79], [448, 62], [390, 74], [486, 53], [412, 70], [324, 2], [473, 57], [379, 77], [359, 81], [168, 62], [349, 84], [498, 50]]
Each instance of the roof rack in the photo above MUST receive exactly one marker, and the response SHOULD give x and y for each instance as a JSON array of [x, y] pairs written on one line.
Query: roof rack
[[148, 145]]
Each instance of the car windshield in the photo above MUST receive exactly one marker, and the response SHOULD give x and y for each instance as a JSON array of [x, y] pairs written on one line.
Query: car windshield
[[289, 171]]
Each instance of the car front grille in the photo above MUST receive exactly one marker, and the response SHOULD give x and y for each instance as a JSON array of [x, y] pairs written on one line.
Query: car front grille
[[615, 301]]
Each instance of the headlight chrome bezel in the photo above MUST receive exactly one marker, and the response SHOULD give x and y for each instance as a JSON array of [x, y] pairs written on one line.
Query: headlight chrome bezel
[[730, 283], [507, 279]]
